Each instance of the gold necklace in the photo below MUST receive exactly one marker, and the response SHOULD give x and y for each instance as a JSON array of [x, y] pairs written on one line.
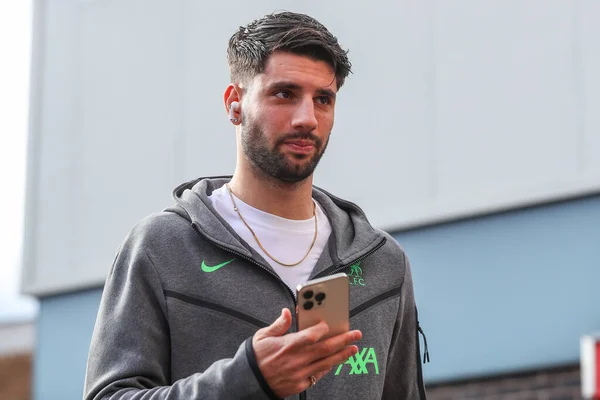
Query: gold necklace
[[260, 244]]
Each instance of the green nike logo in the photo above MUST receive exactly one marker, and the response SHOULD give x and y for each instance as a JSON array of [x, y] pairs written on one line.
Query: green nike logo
[[207, 268]]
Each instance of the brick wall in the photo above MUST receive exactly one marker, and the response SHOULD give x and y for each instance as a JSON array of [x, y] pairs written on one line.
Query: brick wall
[[15, 377], [553, 384]]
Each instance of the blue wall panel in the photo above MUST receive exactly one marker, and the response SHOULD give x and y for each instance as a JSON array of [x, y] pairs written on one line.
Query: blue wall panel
[[495, 294], [65, 326], [507, 292]]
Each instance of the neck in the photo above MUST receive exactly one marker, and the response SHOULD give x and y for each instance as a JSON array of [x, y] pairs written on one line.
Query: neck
[[286, 200]]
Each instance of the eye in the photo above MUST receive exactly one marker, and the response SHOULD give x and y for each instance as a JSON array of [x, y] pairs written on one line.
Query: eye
[[282, 94], [323, 100]]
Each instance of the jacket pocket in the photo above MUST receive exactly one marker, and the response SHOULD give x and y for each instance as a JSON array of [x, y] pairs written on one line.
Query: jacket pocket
[[216, 307], [376, 300]]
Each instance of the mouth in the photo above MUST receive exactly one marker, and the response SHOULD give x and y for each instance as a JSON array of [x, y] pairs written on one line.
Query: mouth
[[300, 146]]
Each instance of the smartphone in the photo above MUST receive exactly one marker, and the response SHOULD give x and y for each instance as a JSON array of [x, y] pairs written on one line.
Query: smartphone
[[324, 299]]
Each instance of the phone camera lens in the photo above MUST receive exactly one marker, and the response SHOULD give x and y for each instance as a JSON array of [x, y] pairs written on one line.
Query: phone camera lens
[[308, 305], [308, 294], [320, 297]]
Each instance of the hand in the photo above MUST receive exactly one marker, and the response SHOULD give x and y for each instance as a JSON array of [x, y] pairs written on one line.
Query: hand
[[287, 361]]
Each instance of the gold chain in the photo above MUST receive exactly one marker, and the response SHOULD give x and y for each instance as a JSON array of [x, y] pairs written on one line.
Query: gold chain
[[260, 244]]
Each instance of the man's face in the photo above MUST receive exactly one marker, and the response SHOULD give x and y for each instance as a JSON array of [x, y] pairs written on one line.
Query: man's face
[[287, 116]]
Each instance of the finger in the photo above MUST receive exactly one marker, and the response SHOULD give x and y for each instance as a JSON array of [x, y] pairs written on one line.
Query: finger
[[318, 376], [278, 327], [332, 345], [321, 375], [309, 335], [326, 363]]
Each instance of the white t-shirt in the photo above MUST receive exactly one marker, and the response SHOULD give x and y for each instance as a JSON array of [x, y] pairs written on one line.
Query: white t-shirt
[[285, 239]]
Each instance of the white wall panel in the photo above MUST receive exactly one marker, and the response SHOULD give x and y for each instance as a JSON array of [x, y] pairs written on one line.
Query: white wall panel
[[379, 150], [454, 109], [48, 243], [207, 144], [505, 104], [590, 86], [110, 111]]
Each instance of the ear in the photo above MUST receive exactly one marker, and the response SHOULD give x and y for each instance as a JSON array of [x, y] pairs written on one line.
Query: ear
[[232, 94]]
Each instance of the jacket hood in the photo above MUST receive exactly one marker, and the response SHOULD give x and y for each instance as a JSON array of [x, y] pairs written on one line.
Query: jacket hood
[[352, 235]]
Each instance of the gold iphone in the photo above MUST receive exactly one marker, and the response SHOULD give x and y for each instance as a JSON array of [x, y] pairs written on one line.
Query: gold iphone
[[324, 299]]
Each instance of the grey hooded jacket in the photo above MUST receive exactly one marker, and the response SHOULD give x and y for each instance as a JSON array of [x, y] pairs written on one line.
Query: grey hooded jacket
[[186, 294]]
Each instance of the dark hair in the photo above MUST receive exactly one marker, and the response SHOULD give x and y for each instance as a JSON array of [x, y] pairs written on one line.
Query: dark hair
[[296, 33]]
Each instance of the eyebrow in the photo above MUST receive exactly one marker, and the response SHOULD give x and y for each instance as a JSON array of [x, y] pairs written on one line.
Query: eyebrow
[[295, 86]]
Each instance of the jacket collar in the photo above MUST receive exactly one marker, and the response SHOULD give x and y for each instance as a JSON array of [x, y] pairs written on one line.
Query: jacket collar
[[352, 235]]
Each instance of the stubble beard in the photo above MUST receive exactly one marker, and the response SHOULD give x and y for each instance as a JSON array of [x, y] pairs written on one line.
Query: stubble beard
[[271, 163]]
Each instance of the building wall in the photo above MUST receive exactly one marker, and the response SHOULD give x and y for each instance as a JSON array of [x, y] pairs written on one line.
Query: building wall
[[496, 294], [15, 376], [17, 340], [508, 292], [17, 337], [551, 384], [65, 325], [453, 110]]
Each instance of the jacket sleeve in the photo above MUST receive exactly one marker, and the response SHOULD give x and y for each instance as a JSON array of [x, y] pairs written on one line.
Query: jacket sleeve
[[129, 355], [404, 378]]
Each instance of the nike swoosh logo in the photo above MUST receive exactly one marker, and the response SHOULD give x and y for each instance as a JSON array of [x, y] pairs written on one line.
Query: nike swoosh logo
[[207, 268]]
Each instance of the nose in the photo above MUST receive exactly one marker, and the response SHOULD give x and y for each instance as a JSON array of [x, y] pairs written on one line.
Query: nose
[[304, 118]]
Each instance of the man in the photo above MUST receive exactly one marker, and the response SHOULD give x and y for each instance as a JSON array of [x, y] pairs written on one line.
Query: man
[[199, 301]]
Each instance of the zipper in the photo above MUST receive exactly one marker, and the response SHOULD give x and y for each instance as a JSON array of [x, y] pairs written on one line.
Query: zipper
[[273, 274], [377, 299], [421, 385], [324, 273], [214, 306], [426, 353], [344, 266]]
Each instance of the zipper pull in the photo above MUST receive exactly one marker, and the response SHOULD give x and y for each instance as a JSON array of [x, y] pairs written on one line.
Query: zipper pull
[[426, 353]]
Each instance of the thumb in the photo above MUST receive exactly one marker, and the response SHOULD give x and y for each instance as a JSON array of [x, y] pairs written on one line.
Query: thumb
[[279, 326]]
